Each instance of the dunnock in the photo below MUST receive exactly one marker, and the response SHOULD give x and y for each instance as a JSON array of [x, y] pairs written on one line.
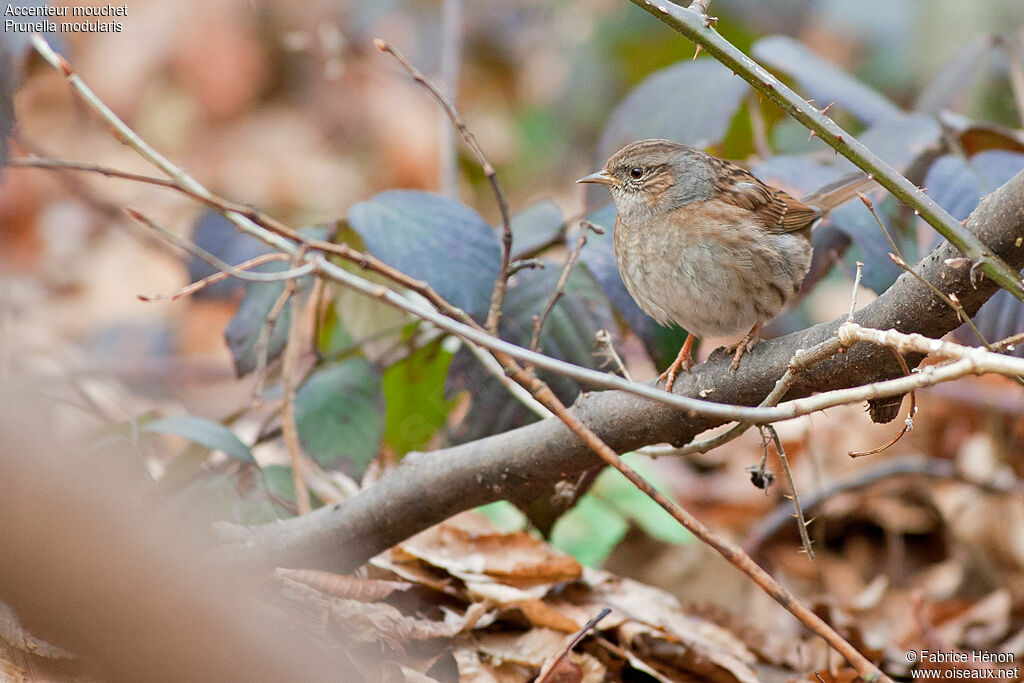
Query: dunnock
[[703, 243]]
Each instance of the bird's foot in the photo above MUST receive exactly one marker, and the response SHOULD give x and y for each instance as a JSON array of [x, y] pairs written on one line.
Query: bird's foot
[[683, 361], [742, 346]]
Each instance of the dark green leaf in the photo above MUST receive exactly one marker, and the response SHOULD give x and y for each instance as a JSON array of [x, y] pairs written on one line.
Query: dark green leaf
[[536, 226], [568, 334], [432, 238], [243, 331], [414, 394], [212, 435], [823, 81], [339, 411]]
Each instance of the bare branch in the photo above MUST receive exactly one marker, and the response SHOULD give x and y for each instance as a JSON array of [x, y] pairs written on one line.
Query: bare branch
[[289, 371], [501, 283], [559, 291]]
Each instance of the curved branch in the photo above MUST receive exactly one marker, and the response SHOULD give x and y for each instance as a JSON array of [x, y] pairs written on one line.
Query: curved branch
[[524, 463]]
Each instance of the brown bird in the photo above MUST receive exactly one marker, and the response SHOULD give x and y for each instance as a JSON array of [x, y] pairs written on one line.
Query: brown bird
[[702, 243]]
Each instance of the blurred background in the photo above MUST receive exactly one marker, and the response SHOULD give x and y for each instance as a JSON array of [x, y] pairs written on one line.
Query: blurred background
[[289, 107]]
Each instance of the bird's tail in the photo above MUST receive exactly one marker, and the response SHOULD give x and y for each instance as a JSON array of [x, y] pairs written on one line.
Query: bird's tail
[[839, 191]]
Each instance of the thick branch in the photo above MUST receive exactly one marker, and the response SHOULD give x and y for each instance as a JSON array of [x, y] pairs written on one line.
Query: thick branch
[[521, 464]]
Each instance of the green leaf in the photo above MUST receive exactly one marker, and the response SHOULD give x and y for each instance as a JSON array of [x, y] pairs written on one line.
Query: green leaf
[[568, 334], [339, 412], [590, 531], [414, 394], [280, 481], [244, 329], [504, 514], [432, 238], [212, 435], [633, 504], [332, 335], [601, 518]]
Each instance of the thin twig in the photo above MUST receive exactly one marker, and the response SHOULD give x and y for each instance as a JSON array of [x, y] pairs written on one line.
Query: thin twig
[[289, 429], [758, 127], [494, 368], [856, 286], [934, 468], [261, 347], [451, 53], [798, 512], [559, 291], [606, 348], [545, 672], [695, 26], [216, 277], [501, 283], [800, 361], [203, 255], [981, 360], [908, 423]]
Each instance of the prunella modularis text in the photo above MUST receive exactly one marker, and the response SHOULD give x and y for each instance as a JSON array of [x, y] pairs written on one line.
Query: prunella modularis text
[[703, 243]]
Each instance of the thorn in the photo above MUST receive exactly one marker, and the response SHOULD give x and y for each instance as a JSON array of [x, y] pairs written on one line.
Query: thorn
[[697, 51], [710, 21], [825, 110], [813, 133]]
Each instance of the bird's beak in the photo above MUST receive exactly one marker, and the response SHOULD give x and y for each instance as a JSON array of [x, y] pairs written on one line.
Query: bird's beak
[[602, 177]]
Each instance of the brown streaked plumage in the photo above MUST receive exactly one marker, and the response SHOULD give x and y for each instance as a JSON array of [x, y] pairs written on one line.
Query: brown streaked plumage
[[703, 243]]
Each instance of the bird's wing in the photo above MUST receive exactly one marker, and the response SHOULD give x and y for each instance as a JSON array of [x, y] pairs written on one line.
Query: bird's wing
[[779, 211]]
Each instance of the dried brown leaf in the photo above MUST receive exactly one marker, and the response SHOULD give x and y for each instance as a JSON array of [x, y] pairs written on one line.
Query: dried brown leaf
[[466, 546], [341, 586]]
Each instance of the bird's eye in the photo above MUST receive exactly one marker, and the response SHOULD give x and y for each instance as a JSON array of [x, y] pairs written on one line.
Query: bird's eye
[[636, 172]]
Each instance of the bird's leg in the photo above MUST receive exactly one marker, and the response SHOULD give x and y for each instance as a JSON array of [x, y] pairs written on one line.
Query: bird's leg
[[683, 360], [744, 345]]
